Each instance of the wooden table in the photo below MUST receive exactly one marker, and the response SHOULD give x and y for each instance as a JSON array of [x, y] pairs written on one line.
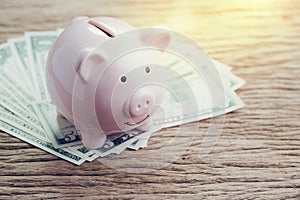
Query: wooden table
[[257, 155]]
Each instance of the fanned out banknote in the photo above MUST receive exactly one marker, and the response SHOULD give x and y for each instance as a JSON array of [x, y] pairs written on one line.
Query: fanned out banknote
[[26, 110]]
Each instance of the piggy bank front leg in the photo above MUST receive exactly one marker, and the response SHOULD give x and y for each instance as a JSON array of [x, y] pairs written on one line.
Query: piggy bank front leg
[[93, 141]]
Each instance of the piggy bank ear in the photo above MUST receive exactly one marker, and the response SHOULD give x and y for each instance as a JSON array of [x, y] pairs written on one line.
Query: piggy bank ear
[[160, 39], [87, 62]]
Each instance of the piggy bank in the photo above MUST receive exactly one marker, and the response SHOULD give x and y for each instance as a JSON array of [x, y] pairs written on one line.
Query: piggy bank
[[123, 98]]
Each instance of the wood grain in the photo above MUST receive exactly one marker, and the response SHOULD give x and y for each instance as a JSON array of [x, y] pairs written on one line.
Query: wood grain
[[257, 155]]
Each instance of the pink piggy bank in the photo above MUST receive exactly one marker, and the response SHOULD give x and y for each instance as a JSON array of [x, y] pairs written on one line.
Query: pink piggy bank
[[118, 95]]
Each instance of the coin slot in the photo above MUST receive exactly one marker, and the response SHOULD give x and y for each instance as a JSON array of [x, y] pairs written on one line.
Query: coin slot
[[101, 27]]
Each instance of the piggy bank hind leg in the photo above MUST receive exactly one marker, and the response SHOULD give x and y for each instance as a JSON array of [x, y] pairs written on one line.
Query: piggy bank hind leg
[[93, 141]]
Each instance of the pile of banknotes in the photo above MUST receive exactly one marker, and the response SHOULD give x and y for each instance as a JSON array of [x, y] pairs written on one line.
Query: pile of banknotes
[[28, 113]]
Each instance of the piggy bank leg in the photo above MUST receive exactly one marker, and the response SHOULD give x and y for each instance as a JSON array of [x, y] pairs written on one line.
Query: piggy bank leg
[[93, 141]]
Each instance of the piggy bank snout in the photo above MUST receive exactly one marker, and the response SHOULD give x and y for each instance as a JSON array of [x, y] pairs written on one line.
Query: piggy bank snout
[[141, 102]]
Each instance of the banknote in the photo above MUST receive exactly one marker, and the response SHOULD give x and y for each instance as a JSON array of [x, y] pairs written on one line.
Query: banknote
[[19, 51], [27, 112], [138, 144], [60, 131], [10, 72], [18, 124], [10, 118], [38, 46], [190, 94], [11, 80], [233, 81], [62, 136], [11, 105], [60, 152], [224, 71]]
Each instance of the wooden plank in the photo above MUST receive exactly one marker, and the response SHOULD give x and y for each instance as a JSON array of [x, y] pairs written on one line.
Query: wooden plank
[[257, 153]]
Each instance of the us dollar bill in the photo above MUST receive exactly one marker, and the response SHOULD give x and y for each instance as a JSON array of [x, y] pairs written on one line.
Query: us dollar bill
[[10, 104], [38, 46], [27, 112], [12, 119], [60, 152], [12, 82], [19, 51], [60, 131], [138, 144]]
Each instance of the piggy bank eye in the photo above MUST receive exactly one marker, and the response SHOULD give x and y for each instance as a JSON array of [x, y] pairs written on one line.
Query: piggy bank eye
[[123, 79], [147, 69]]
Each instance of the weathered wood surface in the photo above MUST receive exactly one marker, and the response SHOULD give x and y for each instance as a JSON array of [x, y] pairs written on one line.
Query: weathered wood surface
[[257, 155]]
